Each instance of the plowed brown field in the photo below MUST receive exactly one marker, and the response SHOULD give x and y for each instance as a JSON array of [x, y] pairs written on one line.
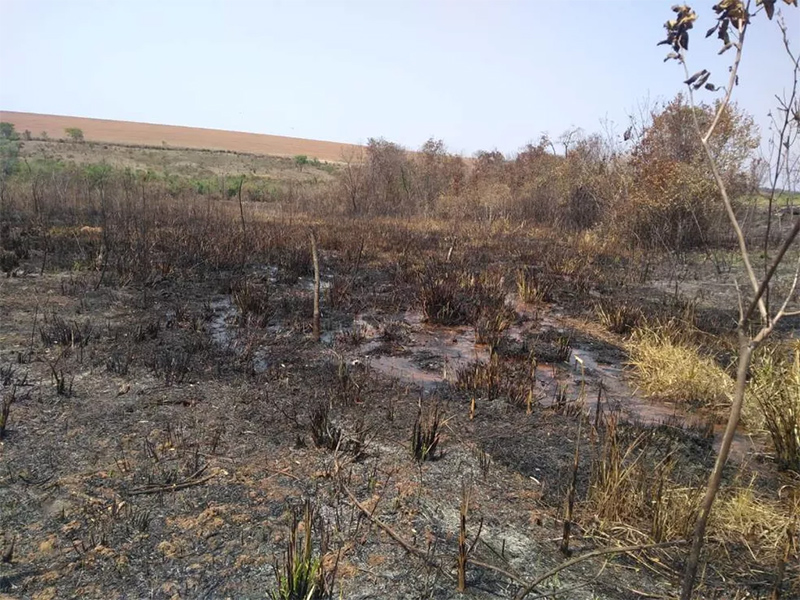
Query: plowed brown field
[[127, 132]]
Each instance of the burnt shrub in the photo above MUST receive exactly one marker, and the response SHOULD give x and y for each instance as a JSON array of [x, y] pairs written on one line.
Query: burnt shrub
[[253, 301], [58, 331]]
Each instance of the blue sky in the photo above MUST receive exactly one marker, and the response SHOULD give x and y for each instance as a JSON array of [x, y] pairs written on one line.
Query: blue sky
[[479, 74]]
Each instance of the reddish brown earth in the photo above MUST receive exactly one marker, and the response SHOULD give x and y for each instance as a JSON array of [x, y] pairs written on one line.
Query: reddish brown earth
[[127, 132]]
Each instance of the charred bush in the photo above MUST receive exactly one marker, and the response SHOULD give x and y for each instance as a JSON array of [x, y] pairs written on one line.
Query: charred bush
[[253, 302], [58, 331]]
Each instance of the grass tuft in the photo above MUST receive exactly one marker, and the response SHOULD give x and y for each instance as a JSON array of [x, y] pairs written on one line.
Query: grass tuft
[[252, 300], [532, 288], [5, 408], [303, 576], [775, 389], [756, 522], [323, 431], [618, 318], [674, 370], [425, 435], [69, 334], [443, 301]]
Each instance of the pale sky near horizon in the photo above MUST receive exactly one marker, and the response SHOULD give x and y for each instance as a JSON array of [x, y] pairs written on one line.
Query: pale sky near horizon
[[478, 74]]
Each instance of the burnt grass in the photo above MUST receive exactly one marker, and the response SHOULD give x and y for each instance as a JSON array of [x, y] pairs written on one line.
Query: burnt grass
[[163, 429]]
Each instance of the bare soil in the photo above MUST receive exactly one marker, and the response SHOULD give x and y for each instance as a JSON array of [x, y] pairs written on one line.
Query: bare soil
[[169, 462], [102, 130]]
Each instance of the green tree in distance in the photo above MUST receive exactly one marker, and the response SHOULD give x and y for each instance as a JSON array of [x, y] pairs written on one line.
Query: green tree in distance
[[74, 134]]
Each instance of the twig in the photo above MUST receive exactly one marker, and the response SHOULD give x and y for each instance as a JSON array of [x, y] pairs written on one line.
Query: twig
[[173, 487], [570, 504], [647, 594], [704, 137], [493, 550], [601, 551], [395, 536], [284, 472], [560, 591], [423, 555], [572, 588], [41, 481], [773, 267], [783, 136], [169, 488], [490, 567], [767, 328]]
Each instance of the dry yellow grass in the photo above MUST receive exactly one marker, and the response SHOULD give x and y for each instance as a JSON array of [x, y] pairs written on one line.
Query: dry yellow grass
[[774, 399], [741, 516], [675, 370]]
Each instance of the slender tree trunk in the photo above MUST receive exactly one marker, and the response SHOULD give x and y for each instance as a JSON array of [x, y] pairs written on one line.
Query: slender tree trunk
[[747, 344], [2, 207], [570, 504], [105, 244], [241, 205], [315, 258], [746, 348]]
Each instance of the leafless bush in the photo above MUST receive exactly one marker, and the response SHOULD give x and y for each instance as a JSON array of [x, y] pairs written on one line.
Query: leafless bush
[[9, 261], [63, 381], [339, 292], [457, 296], [331, 437], [294, 261], [147, 330], [391, 331], [353, 336], [8, 374]]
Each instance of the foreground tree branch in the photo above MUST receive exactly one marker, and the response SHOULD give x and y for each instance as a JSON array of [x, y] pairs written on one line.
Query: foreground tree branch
[[730, 14]]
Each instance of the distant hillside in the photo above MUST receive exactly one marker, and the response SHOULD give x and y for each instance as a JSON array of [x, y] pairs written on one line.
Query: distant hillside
[[127, 132]]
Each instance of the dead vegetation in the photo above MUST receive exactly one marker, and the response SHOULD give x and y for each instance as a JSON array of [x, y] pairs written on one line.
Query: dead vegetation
[[775, 385], [671, 367], [226, 366], [458, 417], [426, 434]]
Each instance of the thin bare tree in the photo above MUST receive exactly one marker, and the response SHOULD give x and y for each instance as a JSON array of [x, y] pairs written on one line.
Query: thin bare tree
[[352, 177], [733, 20]]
